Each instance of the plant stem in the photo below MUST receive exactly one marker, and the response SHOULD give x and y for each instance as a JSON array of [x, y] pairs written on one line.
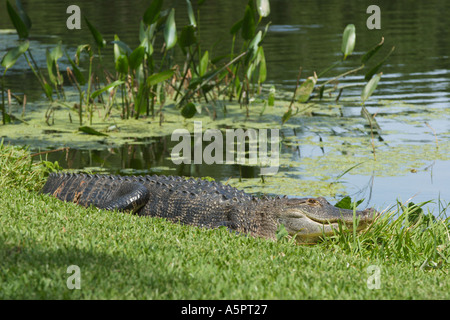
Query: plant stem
[[3, 97]]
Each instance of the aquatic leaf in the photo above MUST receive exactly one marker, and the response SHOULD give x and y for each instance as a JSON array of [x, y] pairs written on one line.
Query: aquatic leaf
[[23, 15], [189, 110], [48, 90], [248, 24], [170, 30], [204, 63], [370, 87], [286, 116], [148, 46], [263, 7], [51, 67], [121, 64], [12, 55], [375, 69], [346, 203], [78, 75], [372, 51], [120, 48], [109, 86], [56, 52], [52, 62], [262, 65], [101, 43], [191, 14], [81, 48], [271, 99], [253, 48], [17, 21], [306, 88], [348, 40], [160, 77], [236, 27], [136, 57], [91, 131], [187, 37], [151, 15]]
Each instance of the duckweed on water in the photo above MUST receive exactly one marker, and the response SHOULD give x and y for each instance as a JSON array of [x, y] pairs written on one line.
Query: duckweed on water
[[313, 148]]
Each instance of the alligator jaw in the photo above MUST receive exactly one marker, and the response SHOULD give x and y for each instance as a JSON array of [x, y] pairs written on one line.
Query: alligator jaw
[[310, 219]]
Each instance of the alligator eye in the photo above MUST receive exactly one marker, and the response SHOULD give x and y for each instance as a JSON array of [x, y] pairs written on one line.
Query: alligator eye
[[313, 202]]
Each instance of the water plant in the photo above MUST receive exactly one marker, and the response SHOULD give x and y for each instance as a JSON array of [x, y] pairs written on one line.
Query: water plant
[[142, 78]]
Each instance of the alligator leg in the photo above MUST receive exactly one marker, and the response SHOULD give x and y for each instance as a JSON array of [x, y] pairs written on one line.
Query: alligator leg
[[130, 196]]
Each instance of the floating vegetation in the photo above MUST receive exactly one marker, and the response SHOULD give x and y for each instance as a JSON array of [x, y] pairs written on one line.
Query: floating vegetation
[[142, 83]]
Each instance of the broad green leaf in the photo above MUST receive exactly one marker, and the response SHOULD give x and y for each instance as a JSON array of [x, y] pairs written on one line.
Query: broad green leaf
[[204, 63], [78, 75], [248, 24], [12, 55], [372, 51], [189, 110], [271, 99], [152, 13], [160, 77], [187, 37], [101, 43], [262, 65], [52, 62], [286, 116], [191, 14], [348, 40], [253, 47], [51, 68], [121, 64], [236, 27], [17, 21], [23, 15], [121, 47], [200, 2], [375, 69], [48, 90], [109, 86], [91, 131], [263, 7], [370, 87], [56, 52], [170, 30], [80, 49], [345, 203], [306, 88], [136, 57], [142, 32]]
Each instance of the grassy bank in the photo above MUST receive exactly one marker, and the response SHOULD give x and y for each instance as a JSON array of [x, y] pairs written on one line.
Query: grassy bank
[[123, 256]]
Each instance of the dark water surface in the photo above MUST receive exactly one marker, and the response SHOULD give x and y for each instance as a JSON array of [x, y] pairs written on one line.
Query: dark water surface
[[302, 33]]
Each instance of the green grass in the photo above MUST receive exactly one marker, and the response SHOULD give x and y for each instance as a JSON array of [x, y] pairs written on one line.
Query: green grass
[[122, 256]]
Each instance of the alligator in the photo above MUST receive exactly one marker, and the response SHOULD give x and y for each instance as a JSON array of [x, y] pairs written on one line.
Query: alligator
[[207, 204]]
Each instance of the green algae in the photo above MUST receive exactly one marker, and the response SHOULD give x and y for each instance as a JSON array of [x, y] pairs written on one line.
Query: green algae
[[334, 144]]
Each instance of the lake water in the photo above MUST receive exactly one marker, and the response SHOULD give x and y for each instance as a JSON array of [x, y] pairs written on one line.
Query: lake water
[[412, 101]]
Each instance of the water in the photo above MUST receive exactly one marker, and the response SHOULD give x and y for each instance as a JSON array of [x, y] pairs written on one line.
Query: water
[[303, 34]]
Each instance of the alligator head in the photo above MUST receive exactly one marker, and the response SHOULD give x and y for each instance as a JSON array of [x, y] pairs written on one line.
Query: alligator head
[[311, 218]]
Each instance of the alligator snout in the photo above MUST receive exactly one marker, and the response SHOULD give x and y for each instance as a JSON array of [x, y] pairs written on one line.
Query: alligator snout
[[309, 219]]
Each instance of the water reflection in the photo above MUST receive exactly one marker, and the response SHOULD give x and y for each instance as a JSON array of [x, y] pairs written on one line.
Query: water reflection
[[303, 33]]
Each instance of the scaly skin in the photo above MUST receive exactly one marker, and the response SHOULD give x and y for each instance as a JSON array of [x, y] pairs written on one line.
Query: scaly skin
[[206, 204]]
